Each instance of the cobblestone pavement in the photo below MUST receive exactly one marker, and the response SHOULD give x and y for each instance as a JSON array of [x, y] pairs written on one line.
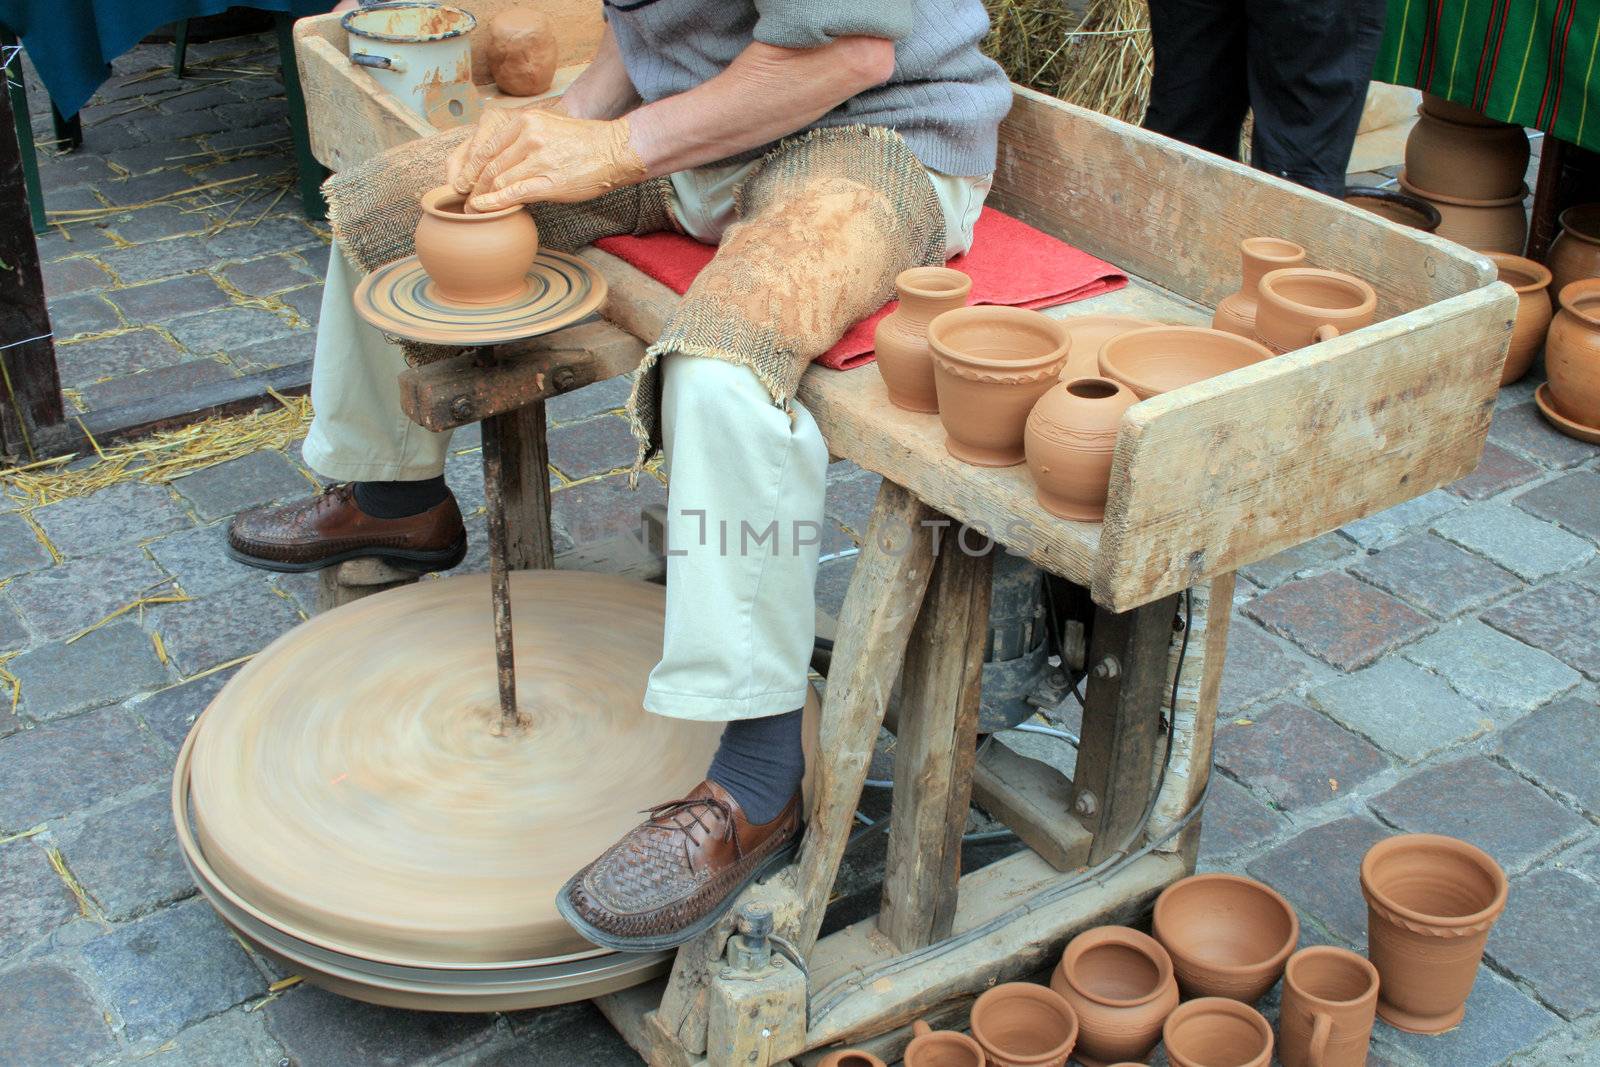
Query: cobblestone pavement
[[1432, 667]]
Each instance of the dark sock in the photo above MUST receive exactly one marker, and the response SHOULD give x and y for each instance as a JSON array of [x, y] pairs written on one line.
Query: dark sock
[[400, 500], [760, 762]]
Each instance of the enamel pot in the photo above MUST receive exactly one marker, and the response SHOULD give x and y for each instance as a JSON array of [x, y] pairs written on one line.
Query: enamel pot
[[1236, 312], [1120, 982], [990, 367], [901, 338]]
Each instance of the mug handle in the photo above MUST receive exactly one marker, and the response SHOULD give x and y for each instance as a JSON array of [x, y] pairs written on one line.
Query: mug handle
[[1326, 332], [1321, 1032], [920, 1028]]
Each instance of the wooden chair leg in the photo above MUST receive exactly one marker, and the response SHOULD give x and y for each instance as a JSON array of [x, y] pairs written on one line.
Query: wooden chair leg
[[28, 154], [180, 48], [311, 172]]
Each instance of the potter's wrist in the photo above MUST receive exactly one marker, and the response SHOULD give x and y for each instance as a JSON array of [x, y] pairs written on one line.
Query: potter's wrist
[[629, 167]]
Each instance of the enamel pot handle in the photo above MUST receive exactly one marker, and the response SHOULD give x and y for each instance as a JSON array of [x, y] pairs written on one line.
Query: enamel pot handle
[[1326, 332], [365, 59], [1321, 1031]]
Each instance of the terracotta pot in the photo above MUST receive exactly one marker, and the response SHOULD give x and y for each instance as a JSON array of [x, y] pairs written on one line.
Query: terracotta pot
[[476, 258], [1329, 996], [1439, 107], [1228, 935], [1572, 353], [849, 1057], [1069, 440], [1576, 252], [1481, 225], [1472, 162], [901, 338], [1431, 901], [990, 366], [1236, 313], [1303, 305], [1024, 1025], [1532, 282], [1120, 983], [1403, 208], [1159, 359], [942, 1048], [1217, 1032]]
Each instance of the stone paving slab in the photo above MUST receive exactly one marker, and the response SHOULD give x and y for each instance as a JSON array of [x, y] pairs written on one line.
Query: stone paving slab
[[1389, 525], [1572, 501], [1402, 708], [61, 601], [1296, 562], [1525, 546], [120, 515], [315, 1026], [110, 753], [1436, 576], [170, 713], [246, 482], [1319, 871], [126, 858], [1549, 913], [219, 628], [1497, 471], [1563, 617], [1296, 757], [20, 549], [1501, 1020], [1504, 675], [36, 899], [48, 1018], [1339, 620], [105, 665], [1558, 746]]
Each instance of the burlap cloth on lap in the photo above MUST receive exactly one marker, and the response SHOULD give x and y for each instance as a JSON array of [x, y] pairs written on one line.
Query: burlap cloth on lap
[[825, 222]]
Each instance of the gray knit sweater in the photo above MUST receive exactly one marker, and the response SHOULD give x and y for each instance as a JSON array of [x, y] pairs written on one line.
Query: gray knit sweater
[[945, 97]]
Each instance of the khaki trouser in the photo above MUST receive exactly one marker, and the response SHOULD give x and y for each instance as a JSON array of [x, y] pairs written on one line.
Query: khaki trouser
[[746, 479]]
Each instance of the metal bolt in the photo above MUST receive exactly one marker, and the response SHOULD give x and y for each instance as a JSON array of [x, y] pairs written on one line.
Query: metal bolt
[[778, 961], [1107, 668], [461, 407], [727, 972], [1085, 804], [562, 378]]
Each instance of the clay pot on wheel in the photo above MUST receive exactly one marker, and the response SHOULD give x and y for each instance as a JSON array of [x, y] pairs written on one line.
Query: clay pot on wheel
[[990, 366], [476, 257], [1398, 207], [1069, 440], [1120, 983], [1471, 162], [942, 1048], [901, 339], [1481, 225], [1532, 282], [1024, 1025], [1217, 1032], [1329, 996], [1572, 353], [1431, 901], [1236, 313], [850, 1057], [1575, 255], [1302, 305], [1228, 935]]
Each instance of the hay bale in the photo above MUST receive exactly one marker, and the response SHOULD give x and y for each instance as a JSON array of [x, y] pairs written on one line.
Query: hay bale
[[1094, 53]]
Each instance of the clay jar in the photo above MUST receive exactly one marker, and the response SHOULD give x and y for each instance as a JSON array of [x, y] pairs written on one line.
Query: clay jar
[[901, 339], [1532, 282], [1431, 901], [1216, 1032], [1473, 162], [1576, 252], [1228, 935], [1303, 305], [522, 51], [990, 366], [1397, 207], [1069, 441], [1120, 983], [942, 1048], [1440, 108], [475, 258], [1159, 359], [1024, 1025], [1481, 225], [849, 1057], [1572, 353], [1236, 313], [1329, 996]]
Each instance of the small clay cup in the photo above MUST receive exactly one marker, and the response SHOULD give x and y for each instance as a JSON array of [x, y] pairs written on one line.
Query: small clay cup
[[990, 366], [1304, 305], [1395, 206], [1217, 1032], [475, 257], [1431, 901], [1575, 254], [942, 1048], [901, 338], [1024, 1025], [1236, 312], [1329, 996], [1120, 983], [849, 1057], [1159, 359], [1228, 935], [1069, 441], [1532, 282], [1572, 353]]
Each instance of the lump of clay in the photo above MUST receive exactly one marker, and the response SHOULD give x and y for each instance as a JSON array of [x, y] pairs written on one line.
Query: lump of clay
[[522, 51]]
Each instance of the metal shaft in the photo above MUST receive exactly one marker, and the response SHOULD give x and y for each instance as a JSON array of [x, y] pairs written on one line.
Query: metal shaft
[[499, 578]]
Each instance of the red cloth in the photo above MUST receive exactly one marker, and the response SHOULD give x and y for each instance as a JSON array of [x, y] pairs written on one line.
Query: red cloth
[[1010, 263]]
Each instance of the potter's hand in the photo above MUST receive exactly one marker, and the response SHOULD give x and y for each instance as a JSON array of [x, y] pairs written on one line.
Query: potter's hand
[[519, 156]]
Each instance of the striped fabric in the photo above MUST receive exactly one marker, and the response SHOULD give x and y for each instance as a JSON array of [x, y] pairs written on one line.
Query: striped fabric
[[1531, 62]]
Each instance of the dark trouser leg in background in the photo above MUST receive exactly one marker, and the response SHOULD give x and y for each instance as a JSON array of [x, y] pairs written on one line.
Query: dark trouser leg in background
[[1199, 94]]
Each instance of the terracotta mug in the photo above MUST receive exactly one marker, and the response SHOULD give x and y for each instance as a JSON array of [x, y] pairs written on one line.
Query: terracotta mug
[[1299, 306], [1329, 998], [1024, 1025], [1120, 983], [849, 1057], [1228, 935], [1217, 1032], [942, 1048]]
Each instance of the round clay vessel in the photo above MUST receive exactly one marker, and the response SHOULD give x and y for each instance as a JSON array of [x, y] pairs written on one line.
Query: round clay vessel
[[1532, 282], [901, 338], [849, 1057], [1481, 225], [1024, 1025], [522, 51], [1439, 107], [1403, 208], [1236, 313], [1471, 162], [477, 257], [1572, 353], [1159, 359], [1575, 254], [1228, 935], [1089, 334], [1303, 305], [1217, 1032], [1120, 983], [1431, 901], [1329, 996], [942, 1048], [990, 366], [1069, 440]]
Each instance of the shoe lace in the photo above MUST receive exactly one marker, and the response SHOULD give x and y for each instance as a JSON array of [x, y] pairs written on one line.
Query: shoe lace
[[686, 815]]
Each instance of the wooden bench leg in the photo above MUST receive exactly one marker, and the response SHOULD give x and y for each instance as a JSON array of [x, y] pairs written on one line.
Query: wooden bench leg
[[525, 481]]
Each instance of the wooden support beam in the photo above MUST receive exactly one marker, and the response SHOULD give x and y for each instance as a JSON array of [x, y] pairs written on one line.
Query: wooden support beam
[[356, 579], [1034, 801], [525, 475]]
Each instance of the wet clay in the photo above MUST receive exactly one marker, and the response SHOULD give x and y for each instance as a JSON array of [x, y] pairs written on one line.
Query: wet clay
[[474, 257], [522, 50], [1228, 935]]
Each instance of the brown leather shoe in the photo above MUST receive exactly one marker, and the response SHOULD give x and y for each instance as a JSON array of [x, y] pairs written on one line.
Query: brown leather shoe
[[329, 528], [670, 878]]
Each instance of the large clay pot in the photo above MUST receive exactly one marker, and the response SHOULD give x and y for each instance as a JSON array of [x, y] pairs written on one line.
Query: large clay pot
[[1440, 108], [1431, 901], [522, 50], [1575, 254], [1329, 996], [1159, 359], [1572, 353], [1395, 206], [901, 338], [990, 366], [1120, 983], [1217, 1032], [1532, 282], [1228, 935], [477, 257], [1303, 305], [942, 1048], [849, 1057], [1481, 225], [1471, 162], [1069, 440], [1236, 313], [1024, 1025]]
